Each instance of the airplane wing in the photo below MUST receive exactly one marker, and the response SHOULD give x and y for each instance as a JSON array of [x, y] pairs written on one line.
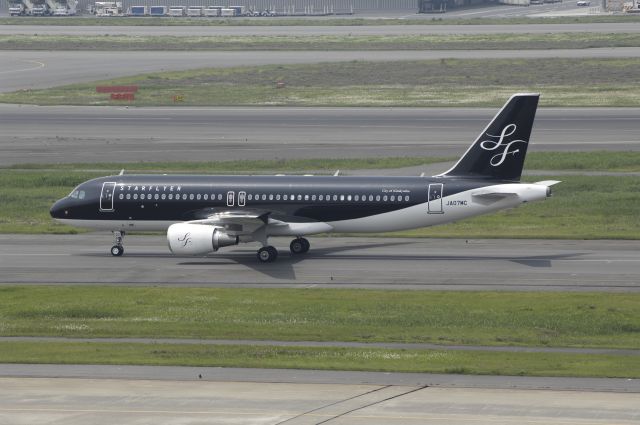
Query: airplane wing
[[237, 222]]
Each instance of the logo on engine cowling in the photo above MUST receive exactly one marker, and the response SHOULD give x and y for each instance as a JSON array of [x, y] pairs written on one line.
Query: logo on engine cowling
[[185, 239], [491, 145]]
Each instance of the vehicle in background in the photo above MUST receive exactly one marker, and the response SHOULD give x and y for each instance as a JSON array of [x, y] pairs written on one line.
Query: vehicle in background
[[16, 8], [227, 12], [40, 8], [194, 11], [137, 11], [107, 8], [536, 2], [212, 11], [239, 10], [64, 7], [583, 3], [158, 10], [176, 10]]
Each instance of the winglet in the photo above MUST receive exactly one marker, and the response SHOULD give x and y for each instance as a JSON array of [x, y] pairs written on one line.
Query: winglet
[[121, 172], [337, 173]]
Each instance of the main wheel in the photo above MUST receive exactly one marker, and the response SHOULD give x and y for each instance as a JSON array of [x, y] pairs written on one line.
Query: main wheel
[[117, 250], [268, 254], [296, 246], [306, 244], [299, 246]]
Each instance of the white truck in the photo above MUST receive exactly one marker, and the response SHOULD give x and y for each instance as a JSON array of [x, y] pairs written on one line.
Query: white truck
[[16, 8], [195, 11], [108, 8], [212, 11], [176, 11], [63, 7]]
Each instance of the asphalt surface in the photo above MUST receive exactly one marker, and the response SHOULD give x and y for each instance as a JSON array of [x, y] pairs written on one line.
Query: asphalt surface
[[41, 69], [101, 134], [346, 30], [100, 401], [377, 263]]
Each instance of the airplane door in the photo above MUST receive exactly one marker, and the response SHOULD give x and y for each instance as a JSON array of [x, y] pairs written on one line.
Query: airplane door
[[106, 196], [435, 199], [242, 196], [230, 198]]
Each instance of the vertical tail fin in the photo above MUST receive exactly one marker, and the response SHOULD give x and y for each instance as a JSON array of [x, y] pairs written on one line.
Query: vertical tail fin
[[499, 151]]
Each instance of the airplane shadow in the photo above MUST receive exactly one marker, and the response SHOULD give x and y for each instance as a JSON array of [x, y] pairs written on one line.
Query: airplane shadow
[[284, 267]]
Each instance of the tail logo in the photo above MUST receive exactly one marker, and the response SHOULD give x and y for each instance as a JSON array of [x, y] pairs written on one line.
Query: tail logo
[[498, 141], [185, 240]]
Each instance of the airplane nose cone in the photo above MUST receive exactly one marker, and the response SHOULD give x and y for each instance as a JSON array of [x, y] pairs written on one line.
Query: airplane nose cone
[[58, 209]]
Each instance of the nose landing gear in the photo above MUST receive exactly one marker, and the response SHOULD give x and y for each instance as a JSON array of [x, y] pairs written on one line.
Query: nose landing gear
[[117, 250]]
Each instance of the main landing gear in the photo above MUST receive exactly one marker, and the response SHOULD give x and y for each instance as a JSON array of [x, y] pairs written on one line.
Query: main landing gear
[[268, 254], [117, 250]]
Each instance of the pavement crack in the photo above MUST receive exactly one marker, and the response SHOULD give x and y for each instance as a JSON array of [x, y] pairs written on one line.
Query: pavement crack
[[333, 404], [373, 404]]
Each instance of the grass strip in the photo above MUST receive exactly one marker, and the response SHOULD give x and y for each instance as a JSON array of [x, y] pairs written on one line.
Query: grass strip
[[519, 41], [460, 82], [559, 319], [330, 358], [310, 21]]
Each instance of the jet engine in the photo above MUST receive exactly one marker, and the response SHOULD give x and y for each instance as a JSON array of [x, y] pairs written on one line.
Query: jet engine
[[197, 239]]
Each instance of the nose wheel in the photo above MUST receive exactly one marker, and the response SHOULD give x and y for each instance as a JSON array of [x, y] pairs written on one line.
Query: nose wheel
[[117, 250], [299, 246], [267, 254]]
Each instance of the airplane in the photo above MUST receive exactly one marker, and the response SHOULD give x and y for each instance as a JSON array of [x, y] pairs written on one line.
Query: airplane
[[202, 213]]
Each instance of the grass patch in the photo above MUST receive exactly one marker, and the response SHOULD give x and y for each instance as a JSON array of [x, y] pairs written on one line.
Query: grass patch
[[580, 208], [517, 41], [432, 361], [460, 82], [443, 317]]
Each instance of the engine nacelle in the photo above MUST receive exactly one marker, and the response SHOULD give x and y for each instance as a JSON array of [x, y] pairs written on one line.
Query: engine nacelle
[[197, 239]]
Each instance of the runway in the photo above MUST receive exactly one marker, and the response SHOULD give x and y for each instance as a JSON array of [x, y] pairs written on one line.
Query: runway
[[159, 395], [407, 264], [41, 69], [63, 134], [318, 30]]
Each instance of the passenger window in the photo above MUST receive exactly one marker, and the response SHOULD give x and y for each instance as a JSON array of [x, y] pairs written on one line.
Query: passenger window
[[299, 197], [164, 196], [285, 197], [349, 198], [264, 196], [406, 198], [121, 196], [306, 197], [271, 196], [219, 196], [393, 197], [128, 196], [335, 197], [249, 197], [135, 196], [370, 198], [156, 196], [385, 197], [206, 197], [313, 197], [356, 198], [342, 197], [278, 197], [378, 198], [198, 196], [320, 198]]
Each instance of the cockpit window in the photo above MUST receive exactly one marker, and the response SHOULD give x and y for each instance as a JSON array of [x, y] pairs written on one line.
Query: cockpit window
[[74, 194], [81, 194]]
